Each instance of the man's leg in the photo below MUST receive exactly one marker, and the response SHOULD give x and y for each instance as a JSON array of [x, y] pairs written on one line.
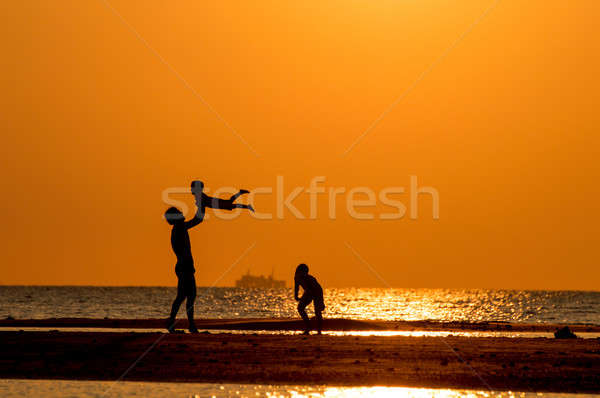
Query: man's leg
[[191, 297], [176, 303], [304, 301]]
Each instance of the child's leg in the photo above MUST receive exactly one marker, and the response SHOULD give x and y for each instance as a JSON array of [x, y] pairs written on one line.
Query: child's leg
[[319, 316], [304, 301], [241, 206], [237, 195], [319, 307]]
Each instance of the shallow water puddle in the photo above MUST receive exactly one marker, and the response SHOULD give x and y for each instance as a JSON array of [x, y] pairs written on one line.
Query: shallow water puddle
[[381, 333], [96, 389]]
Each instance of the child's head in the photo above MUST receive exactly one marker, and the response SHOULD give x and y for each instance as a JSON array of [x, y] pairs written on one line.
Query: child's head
[[197, 186], [302, 269], [173, 215]]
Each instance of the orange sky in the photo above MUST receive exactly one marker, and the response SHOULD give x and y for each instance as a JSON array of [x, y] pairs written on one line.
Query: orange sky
[[504, 124]]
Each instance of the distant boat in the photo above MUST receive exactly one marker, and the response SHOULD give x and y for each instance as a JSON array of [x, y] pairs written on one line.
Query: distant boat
[[259, 281]]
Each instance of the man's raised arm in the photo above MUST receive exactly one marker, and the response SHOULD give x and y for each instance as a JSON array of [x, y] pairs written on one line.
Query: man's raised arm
[[198, 218]]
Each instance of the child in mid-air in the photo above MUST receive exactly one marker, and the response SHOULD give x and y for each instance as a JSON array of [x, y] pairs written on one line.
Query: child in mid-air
[[312, 292], [203, 200]]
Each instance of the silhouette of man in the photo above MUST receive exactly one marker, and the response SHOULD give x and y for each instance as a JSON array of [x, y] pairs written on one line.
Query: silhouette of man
[[312, 292], [184, 269], [203, 200]]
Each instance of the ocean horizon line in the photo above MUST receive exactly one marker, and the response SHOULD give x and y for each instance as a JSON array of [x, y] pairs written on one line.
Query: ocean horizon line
[[508, 289]]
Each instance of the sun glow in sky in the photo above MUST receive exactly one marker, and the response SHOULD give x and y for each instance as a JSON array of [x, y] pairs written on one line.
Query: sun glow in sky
[[106, 105]]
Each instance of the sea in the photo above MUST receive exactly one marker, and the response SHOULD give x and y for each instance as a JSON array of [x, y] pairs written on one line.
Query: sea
[[471, 305]]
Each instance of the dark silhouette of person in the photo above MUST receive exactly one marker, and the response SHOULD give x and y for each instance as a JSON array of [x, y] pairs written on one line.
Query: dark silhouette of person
[[180, 242], [312, 292], [184, 269], [203, 200]]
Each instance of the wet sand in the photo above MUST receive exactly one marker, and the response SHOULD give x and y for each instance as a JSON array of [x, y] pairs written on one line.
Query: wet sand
[[294, 324], [517, 364]]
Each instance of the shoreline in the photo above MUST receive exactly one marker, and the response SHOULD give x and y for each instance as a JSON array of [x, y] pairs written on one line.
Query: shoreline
[[517, 364], [285, 324]]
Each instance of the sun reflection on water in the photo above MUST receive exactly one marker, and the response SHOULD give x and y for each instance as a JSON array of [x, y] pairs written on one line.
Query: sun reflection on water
[[408, 392], [473, 305]]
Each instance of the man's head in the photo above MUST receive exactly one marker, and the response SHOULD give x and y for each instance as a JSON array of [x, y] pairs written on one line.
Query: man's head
[[197, 186], [302, 269], [174, 216]]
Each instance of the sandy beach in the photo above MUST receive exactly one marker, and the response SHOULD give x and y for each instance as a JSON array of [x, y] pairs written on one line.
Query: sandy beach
[[297, 325], [518, 364]]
